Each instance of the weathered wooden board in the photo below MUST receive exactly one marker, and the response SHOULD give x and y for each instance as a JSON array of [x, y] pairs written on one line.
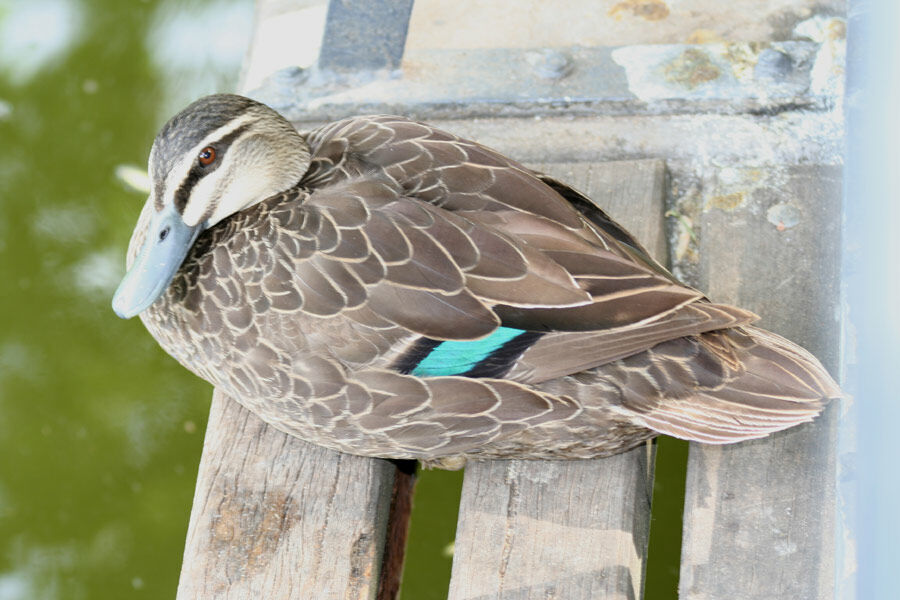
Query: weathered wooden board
[[566, 529], [275, 517], [759, 516]]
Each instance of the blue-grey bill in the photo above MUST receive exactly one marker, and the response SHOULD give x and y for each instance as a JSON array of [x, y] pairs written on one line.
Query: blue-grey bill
[[167, 243]]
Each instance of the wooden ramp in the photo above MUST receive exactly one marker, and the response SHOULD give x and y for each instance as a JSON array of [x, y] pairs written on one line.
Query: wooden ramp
[[749, 176]]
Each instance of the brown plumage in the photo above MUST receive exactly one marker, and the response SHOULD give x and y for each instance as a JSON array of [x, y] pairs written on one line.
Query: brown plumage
[[342, 309]]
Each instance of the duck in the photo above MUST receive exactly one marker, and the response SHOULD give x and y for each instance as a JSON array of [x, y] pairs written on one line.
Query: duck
[[384, 288]]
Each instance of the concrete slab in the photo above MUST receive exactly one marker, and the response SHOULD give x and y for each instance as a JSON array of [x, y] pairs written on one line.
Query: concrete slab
[[470, 24]]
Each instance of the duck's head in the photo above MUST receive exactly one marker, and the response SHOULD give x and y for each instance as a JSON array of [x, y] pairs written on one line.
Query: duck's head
[[218, 156]]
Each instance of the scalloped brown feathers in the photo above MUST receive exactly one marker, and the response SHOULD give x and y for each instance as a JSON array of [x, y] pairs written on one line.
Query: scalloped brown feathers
[[311, 307]]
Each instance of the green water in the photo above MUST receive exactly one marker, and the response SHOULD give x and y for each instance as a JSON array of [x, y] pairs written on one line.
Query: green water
[[100, 431]]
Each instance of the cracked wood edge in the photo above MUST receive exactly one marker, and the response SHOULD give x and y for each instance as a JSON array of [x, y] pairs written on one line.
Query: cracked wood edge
[[276, 517]]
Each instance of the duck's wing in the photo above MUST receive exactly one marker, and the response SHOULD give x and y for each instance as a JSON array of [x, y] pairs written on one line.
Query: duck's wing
[[513, 235], [459, 175], [475, 290], [598, 217], [450, 172]]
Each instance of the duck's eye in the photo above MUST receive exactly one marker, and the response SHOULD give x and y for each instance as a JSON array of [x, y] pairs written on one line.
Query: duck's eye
[[207, 156]]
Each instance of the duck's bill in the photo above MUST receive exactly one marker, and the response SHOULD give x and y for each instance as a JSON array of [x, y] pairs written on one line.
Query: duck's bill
[[167, 243]]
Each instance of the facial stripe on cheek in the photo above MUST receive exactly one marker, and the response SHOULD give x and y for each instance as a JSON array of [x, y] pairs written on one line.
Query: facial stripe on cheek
[[198, 171]]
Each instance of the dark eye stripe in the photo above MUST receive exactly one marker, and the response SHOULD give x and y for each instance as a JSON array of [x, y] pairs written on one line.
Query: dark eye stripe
[[199, 171]]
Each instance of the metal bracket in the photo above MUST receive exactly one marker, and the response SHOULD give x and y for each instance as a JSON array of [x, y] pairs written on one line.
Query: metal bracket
[[735, 78]]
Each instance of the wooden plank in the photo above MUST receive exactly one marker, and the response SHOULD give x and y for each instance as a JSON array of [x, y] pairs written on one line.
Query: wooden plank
[[276, 517], [759, 516], [566, 529]]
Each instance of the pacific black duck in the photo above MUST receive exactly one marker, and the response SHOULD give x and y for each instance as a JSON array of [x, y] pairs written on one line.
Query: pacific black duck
[[384, 288]]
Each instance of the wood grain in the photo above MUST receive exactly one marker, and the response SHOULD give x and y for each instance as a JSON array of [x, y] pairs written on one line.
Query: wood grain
[[566, 530], [276, 517], [759, 516]]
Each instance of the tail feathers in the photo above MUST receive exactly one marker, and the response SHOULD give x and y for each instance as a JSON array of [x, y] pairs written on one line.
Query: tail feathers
[[728, 386], [721, 422], [564, 353]]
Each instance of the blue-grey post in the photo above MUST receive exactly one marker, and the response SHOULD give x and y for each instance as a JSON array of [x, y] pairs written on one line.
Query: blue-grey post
[[871, 295], [364, 35]]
